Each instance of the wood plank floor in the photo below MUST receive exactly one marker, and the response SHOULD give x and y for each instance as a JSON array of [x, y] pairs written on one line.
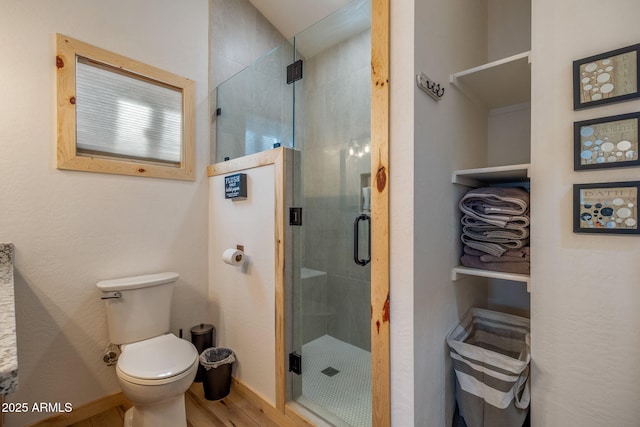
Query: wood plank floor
[[234, 411]]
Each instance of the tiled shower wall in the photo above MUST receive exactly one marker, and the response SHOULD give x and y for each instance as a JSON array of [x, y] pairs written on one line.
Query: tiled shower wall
[[256, 107], [238, 35], [337, 120]]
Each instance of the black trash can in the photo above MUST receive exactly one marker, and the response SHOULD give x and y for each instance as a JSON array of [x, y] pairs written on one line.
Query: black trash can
[[203, 336], [217, 363]]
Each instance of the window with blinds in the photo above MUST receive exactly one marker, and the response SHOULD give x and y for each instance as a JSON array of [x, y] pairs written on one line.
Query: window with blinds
[[124, 115], [116, 115]]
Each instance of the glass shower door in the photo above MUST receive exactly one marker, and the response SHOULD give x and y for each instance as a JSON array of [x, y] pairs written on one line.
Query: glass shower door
[[332, 302]]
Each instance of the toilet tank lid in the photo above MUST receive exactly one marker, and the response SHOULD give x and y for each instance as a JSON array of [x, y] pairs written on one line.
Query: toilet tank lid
[[137, 282]]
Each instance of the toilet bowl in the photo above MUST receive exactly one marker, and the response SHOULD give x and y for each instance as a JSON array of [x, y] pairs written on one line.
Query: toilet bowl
[[155, 367], [154, 374]]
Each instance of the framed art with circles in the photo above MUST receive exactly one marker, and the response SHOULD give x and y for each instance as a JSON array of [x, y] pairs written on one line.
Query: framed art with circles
[[606, 77], [606, 142], [606, 208]]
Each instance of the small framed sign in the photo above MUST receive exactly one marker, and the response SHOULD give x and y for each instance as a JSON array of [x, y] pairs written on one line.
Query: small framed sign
[[606, 77], [235, 186], [607, 142], [606, 208]]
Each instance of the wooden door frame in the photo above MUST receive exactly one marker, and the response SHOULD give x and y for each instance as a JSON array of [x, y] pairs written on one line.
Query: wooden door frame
[[380, 328]]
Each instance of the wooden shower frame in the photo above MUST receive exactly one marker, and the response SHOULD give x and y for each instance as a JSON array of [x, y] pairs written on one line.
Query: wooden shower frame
[[380, 301]]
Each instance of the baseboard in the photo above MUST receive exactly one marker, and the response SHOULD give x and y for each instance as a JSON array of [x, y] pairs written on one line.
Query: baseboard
[[85, 411], [304, 417], [289, 419]]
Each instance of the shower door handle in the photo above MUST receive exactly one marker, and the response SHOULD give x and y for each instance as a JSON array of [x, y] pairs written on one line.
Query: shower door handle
[[356, 238]]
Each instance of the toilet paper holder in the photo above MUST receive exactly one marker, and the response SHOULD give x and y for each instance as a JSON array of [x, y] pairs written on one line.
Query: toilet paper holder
[[235, 257], [241, 249]]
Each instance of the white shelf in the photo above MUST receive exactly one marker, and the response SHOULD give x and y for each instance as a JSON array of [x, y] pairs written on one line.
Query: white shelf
[[496, 174], [498, 83], [466, 271]]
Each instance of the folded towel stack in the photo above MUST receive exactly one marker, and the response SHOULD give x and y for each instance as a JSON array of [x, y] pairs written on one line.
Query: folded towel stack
[[495, 229]]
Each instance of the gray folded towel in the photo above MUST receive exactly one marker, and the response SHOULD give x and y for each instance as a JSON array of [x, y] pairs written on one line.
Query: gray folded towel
[[495, 221], [494, 249], [495, 234], [523, 267], [516, 222], [496, 205], [512, 255]]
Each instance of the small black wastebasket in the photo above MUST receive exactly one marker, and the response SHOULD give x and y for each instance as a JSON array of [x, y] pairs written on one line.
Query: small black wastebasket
[[217, 363], [203, 336]]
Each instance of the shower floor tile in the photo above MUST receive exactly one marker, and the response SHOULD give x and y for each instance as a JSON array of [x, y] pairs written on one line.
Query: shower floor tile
[[347, 394]]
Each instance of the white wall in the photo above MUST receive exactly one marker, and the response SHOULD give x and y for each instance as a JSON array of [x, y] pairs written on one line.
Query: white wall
[[585, 317], [400, 212], [294, 16], [449, 134], [243, 298], [425, 305], [72, 229]]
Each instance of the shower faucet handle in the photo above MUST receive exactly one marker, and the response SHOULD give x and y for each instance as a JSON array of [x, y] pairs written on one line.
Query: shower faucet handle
[[111, 295]]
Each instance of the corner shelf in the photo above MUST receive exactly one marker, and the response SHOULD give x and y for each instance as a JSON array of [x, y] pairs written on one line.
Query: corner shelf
[[466, 271], [496, 174], [499, 83]]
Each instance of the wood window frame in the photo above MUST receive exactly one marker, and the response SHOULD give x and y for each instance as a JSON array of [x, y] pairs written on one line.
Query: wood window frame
[[67, 50]]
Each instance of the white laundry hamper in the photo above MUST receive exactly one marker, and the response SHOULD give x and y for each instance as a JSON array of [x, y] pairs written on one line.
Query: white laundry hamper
[[490, 352]]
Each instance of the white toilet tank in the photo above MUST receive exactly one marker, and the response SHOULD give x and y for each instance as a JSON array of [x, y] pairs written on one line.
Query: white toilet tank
[[138, 307]]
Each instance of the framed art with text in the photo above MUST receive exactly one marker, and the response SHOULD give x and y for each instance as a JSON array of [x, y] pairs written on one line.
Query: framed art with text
[[606, 208], [606, 77], [607, 142]]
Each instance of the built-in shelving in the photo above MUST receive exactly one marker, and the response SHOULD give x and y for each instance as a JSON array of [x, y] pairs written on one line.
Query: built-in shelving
[[500, 86], [498, 83], [491, 175], [459, 270], [495, 111], [484, 176]]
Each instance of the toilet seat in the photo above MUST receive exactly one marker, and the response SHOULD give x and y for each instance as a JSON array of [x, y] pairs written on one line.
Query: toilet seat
[[158, 360]]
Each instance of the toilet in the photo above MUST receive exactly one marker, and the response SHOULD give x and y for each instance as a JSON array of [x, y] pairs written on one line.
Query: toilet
[[155, 368]]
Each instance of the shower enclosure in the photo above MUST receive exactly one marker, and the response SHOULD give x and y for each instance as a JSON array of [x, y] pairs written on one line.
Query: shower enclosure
[[312, 94]]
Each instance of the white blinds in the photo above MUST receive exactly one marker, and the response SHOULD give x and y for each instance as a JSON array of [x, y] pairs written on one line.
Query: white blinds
[[119, 114]]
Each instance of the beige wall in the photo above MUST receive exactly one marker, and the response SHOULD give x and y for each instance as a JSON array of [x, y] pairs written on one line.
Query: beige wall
[[585, 288], [72, 229]]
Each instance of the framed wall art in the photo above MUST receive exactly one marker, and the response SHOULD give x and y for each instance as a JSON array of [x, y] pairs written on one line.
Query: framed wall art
[[606, 77], [607, 142], [606, 208]]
